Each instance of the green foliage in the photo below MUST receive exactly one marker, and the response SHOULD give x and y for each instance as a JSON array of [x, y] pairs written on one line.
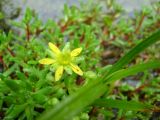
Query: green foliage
[[28, 90]]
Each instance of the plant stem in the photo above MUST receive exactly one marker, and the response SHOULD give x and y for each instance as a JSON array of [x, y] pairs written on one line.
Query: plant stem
[[11, 52], [2, 61], [140, 24], [27, 32]]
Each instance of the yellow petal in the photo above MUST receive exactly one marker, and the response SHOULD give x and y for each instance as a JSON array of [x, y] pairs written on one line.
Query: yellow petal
[[58, 73], [54, 48], [76, 52], [46, 61], [76, 69]]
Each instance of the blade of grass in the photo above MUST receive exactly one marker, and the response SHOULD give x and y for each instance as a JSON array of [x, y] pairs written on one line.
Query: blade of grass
[[131, 71], [123, 104]]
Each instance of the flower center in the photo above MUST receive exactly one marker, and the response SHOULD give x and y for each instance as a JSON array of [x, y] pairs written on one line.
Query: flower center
[[64, 58]]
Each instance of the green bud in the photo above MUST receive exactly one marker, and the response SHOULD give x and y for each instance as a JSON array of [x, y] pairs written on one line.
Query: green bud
[[53, 101], [50, 77], [90, 74], [60, 93], [39, 98]]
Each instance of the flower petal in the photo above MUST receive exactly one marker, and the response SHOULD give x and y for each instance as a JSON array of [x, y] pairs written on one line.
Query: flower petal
[[54, 48], [76, 69], [58, 73], [46, 61], [76, 52]]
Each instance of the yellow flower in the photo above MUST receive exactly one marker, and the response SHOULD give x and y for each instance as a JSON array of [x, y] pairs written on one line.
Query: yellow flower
[[63, 59]]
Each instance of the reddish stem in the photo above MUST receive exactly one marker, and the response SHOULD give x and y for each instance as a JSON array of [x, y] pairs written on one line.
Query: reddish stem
[[38, 31], [11, 52], [27, 32], [82, 38], [63, 28], [140, 23], [1, 61], [141, 87]]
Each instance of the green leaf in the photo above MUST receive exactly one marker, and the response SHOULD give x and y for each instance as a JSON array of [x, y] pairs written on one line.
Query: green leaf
[[132, 70], [14, 111], [40, 95], [29, 112], [10, 70], [122, 104], [17, 24], [39, 98], [13, 85], [46, 90], [28, 16]]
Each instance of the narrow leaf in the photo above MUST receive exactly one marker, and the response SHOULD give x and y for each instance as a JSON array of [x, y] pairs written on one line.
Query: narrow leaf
[[132, 70], [122, 104]]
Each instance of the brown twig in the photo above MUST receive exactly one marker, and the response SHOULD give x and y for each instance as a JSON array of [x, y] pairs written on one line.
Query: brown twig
[[140, 24], [11, 52]]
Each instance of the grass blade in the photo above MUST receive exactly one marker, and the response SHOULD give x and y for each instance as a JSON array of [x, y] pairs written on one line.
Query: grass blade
[[131, 71], [122, 104]]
